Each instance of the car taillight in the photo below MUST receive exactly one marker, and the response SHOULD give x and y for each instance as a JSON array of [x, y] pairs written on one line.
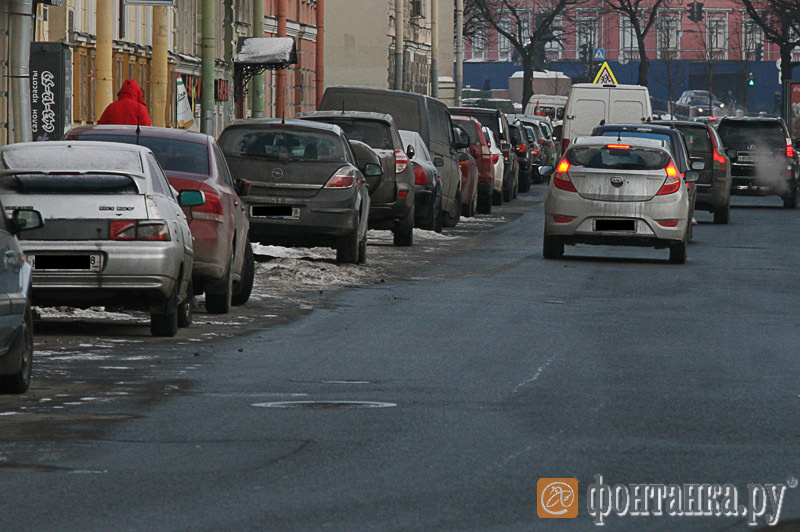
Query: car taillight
[[495, 158], [671, 170], [419, 175], [673, 182], [542, 141], [400, 161], [343, 178], [464, 163], [668, 223], [721, 161], [522, 148], [534, 152], [789, 148], [561, 178], [152, 230], [210, 210]]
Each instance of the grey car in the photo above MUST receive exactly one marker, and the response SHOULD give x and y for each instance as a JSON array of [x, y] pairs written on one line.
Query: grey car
[[309, 185], [392, 200], [116, 234]]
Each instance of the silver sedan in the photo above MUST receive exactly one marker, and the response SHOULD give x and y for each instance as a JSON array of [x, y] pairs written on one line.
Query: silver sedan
[[116, 234], [610, 192]]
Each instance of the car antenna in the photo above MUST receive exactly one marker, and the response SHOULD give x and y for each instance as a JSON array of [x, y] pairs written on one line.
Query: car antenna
[[619, 135], [342, 106], [138, 129]]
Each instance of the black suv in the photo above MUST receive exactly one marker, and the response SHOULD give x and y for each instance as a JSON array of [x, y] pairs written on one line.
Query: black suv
[[763, 160], [392, 200], [521, 145]]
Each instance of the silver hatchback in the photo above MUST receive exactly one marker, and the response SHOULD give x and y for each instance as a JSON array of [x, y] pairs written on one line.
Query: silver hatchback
[[115, 235], [626, 192]]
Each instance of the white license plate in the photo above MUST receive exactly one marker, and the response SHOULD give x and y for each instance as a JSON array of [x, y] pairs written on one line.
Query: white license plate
[[744, 159], [91, 262]]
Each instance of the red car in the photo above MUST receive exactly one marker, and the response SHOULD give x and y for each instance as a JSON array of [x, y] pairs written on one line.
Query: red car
[[481, 151], [224, 265]]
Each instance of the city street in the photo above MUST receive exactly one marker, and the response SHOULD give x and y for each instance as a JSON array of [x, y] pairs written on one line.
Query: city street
[[429, 393]]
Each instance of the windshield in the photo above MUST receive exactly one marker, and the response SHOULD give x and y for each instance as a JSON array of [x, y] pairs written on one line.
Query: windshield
[[173, 155], [377, 135], [283, 144], [628, 158], [742, 134], [697, 139], [81, 156], [641, 135]]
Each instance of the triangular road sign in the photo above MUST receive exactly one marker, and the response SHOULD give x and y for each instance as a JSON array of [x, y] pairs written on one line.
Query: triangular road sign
[[605, 76]]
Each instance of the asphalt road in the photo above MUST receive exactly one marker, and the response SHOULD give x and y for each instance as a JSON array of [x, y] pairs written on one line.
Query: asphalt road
[[489, 369]]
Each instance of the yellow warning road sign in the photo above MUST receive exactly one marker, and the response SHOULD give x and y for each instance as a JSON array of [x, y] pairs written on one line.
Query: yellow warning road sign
[[605, 76]]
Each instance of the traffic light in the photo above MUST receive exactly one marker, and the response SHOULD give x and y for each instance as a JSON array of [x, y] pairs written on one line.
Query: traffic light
[[694, 11], [690, 12], [759, 51], [584, 53], [751, 79]]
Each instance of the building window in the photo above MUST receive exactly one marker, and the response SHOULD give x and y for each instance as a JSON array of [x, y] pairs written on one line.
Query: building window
[[416, 8], [668, 35], [553, 47], [503, 44], [629, 46], [586, 33], [717, 37], [479, 39], [753, 41], [121, 21]]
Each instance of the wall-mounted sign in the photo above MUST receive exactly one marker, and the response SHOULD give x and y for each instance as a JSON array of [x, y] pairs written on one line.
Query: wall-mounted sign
[[51, 90]]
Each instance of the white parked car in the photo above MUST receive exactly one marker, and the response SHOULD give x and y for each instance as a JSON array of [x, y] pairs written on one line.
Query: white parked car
[[499, 166], [611, 192], [115, 235]]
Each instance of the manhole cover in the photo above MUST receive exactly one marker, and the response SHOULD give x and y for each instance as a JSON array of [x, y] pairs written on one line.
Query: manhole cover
[[324, 404]]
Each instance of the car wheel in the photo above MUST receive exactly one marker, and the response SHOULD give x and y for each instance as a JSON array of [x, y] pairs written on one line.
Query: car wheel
[[791, 201], [404, 232], [362, 250], [450, 220], [185, 308], [438, 221], [677, 252], [722, 215], [20, 381], [242, 289], [525, 183], [552, 247], [166, 324], [508, 194], [497, 197], [347, 248], [484, 205], [218, 301]]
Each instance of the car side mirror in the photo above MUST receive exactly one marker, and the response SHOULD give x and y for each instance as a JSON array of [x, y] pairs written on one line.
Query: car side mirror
[[410, 151], [463, 157], [242, 187], [692, 176], [26, 219], [698, 165], [463, 141], [191, 198], [505, 146], [438, 162], [372, 170], [732, 154], [546, 170]]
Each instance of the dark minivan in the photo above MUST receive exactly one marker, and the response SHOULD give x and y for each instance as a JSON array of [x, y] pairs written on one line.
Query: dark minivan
[[413, 112]]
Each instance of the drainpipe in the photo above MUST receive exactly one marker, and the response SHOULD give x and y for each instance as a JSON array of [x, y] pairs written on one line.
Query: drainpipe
[[320, 62], [280, 95], [435, 48], [21, 19], [399, 43], [160, 65], [207, 54], [459, 49], [259, 101], [104, 61]]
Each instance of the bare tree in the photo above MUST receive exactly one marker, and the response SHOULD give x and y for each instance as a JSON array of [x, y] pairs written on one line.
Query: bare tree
[[668, 49], [780, 21], [517, 13], [642, 15]]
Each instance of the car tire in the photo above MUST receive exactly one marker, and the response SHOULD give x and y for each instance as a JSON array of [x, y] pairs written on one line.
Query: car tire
[[185, 308], [166, 324], [404, 232], [484, 205], [438, 221], [448, 220], [791, 201], [497, 197], [19, 382], [508, 194], [347, 248], [552, 247], [722, 215], [362, 251], [677, 252], [220, 302], [243, 289]]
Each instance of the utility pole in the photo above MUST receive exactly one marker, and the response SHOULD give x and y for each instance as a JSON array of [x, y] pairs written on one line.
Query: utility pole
[[104, 61], [259, 101], [160, 65], [399, 43], [207, 54], [319, 67], [459, 49], [280, 96], [21, 19], [435, 48]]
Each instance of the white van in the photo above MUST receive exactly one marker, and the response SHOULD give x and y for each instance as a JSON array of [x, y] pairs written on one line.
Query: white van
[[551, 105], [590, 105]]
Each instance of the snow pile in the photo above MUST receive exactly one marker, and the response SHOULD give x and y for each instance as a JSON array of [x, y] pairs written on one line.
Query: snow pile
[[93, 313], [266, 50]]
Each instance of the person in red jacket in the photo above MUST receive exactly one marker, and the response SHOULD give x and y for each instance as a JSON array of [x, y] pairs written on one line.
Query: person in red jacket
[[129, 107]]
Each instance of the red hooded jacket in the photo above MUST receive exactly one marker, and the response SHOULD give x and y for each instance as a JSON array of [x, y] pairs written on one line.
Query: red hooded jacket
[[129, 107]]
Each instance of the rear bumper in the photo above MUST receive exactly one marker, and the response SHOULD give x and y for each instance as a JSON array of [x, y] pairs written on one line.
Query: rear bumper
[[713, 196], [386, 215], [424, 203]]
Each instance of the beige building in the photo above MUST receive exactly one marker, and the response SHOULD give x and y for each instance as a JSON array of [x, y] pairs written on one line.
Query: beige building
[[360, 43]]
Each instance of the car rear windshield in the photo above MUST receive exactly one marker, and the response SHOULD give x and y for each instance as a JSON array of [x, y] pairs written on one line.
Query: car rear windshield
[[488, 120], [697, 139], [283, 144], [174, 155], [741, 135], [377, 135], [603, 157], [404, 110], [640, 135], [76, 184], [470, 129], [74, 157]]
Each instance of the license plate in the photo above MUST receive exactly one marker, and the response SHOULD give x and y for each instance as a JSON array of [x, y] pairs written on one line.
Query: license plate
[[615, 225], [744, 159], [279, 212], [91, 262]]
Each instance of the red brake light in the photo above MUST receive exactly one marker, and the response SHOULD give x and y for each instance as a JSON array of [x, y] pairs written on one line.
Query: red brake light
[[534, 152], [343, 178], [122, 230], [495, 158], [147, 230], [789, 148], [139, 230], [668, 223], [542, 141], [671, 170], [563, 166], [719, 158], [419, 175], [210, 210], [670, 186], [564, 144], [561, 179], [522, 148], [618, 146], [400, 161]]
